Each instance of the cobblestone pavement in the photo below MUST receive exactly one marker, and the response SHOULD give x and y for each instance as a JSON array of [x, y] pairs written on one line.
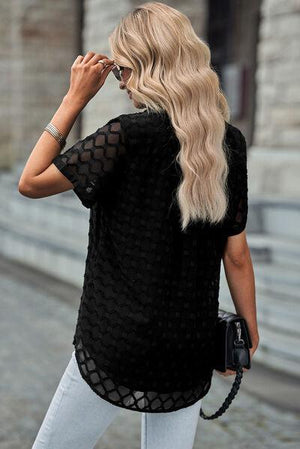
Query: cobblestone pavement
[[38, 316]]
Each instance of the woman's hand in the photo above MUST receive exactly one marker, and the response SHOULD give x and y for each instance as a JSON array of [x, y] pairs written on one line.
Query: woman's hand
[[229, 372], [88, 76]]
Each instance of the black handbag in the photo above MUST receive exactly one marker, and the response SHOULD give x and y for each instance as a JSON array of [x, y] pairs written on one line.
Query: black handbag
[[232, 345]]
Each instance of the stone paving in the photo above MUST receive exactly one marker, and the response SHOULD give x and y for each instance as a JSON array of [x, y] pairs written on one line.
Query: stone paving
[[38, 316]]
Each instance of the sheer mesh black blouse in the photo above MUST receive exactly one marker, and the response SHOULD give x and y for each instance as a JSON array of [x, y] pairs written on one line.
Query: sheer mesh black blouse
[[148, 310]]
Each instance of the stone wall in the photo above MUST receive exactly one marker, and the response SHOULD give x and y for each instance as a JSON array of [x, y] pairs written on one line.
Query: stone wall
[[274, 162], [39, 41]]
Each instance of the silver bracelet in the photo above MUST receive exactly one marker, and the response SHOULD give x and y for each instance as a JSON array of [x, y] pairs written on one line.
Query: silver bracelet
[[56, 134]]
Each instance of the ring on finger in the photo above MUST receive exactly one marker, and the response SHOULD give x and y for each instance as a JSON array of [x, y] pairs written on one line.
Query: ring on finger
[[102, 62]]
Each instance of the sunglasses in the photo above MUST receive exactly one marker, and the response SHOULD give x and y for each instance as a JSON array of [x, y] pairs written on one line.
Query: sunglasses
[[117, 71]]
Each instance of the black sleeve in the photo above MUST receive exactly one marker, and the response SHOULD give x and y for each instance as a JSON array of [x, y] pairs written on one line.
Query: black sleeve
[[236, 217], [91, 162]]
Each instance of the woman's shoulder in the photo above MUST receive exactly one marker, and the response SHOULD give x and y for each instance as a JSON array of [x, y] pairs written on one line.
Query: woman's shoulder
[[236, 147], [148, 127], [233, 134], [143, 117], [160, 121]]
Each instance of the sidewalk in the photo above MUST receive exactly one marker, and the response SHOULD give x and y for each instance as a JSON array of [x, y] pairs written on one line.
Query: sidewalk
[[38, 316]]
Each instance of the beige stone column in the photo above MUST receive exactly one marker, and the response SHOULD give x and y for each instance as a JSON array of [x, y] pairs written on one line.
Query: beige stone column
[[274, 159], [11, 95], [39, 42]]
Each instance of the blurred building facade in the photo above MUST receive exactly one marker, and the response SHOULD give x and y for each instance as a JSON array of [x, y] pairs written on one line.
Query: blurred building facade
[[255, 50]]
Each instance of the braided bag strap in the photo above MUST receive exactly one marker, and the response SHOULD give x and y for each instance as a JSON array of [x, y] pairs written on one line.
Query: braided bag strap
[[234, 389]]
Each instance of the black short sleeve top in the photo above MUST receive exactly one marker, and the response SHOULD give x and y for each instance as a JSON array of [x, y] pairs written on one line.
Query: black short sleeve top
[[145, 328]]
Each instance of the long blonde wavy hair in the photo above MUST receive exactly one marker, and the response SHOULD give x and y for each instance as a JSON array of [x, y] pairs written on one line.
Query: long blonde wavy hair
[[171, 71]]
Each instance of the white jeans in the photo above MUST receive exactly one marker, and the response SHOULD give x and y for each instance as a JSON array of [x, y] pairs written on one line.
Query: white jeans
[[77, 417]]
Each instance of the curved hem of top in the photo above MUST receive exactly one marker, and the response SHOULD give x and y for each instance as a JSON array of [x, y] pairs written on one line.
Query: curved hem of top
[[128, 407]]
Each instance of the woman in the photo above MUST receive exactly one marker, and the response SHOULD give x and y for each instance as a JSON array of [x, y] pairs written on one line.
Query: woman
[[167, 193]]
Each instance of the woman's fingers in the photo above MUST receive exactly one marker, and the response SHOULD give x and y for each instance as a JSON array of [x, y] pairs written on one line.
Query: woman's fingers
[[88, 75], [230, 372], [226, 373], [77, 60], [88, 57], [104, 73], [92, 58], [97, 57]]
